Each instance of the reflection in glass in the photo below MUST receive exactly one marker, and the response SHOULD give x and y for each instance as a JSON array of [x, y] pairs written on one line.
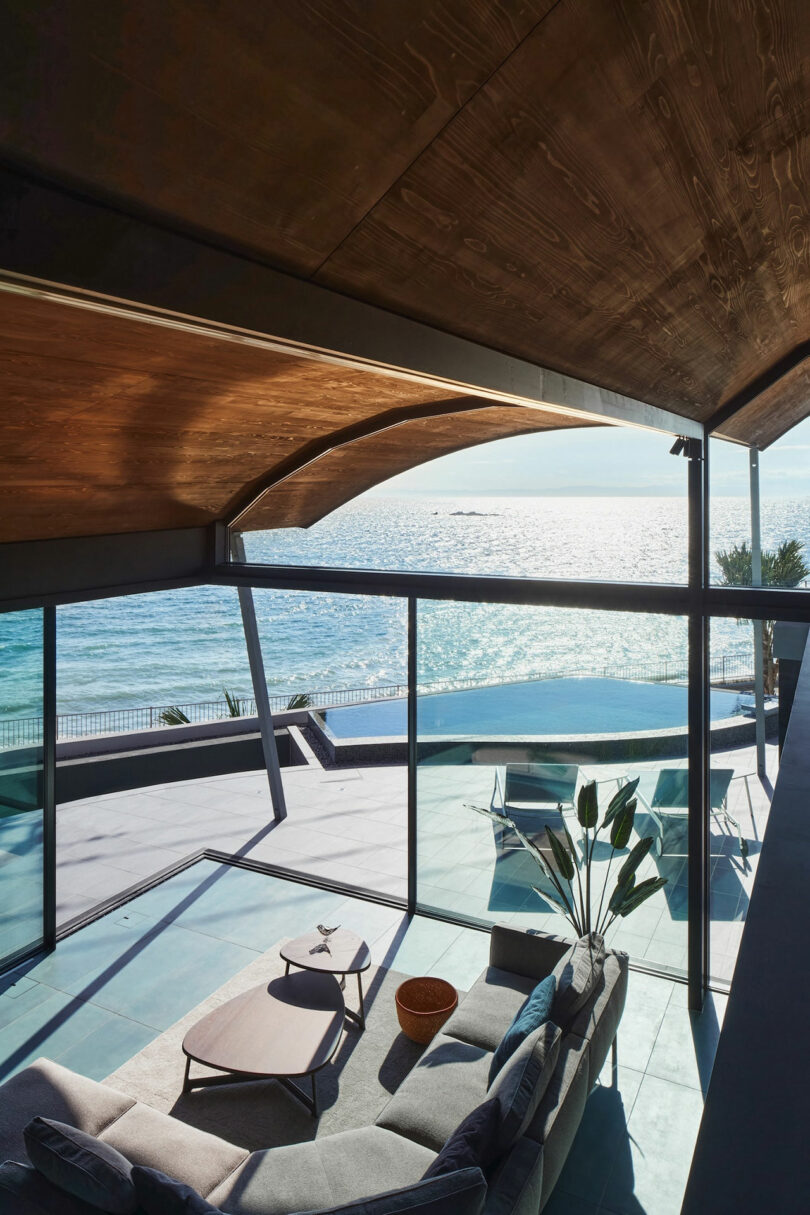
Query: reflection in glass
[[522, 749]]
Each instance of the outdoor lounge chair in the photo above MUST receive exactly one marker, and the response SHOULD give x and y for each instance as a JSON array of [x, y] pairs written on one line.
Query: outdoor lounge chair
[[669, 805], [533, 788]]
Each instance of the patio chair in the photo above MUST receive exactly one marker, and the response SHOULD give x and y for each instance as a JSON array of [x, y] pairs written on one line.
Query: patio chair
[[669, 805], [530, 788], [529, 795]]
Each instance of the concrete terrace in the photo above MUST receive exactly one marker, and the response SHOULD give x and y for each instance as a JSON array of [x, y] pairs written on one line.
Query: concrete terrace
[[349, 825], [112, 987]]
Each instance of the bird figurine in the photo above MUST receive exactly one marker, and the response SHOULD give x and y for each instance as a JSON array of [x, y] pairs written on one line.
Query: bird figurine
[[323, 946]]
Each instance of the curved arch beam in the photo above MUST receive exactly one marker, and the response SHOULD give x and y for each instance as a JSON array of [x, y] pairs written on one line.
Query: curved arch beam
[[322, 446], [341, 473]]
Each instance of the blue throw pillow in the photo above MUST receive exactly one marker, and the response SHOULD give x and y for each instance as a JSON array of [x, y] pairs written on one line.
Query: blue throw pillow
[[473, 1144], [533, 1013]]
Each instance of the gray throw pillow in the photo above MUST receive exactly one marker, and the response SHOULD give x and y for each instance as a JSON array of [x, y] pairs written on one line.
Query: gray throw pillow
[[520, 1084], [162, 1195], [577, 974], [24, 1191], [80, 1165]]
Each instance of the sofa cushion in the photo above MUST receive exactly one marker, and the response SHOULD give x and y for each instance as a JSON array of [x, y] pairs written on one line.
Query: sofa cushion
[[521, 1083], [81, 1165], [448, 1082], [44, 1088], [516, 1183], [463, 1193], [557, 1118], [489, 1007], [534, 1013], [158, 1141], [473, 1144], [162, 1195], [577, 973], [24, 1191], [598, 1020], [322, 1173]]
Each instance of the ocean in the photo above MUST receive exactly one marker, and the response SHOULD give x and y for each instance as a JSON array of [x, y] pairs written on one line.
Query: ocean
[[183, 646]]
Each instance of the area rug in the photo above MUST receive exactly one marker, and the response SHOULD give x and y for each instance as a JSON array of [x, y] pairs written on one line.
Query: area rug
[[352, 1090]]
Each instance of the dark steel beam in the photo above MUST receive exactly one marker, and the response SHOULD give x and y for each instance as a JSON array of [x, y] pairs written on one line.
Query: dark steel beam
[[413, 756], [698, 829], [761, 384], [36, 572], [49, 775], [52, 240], [604, 596]]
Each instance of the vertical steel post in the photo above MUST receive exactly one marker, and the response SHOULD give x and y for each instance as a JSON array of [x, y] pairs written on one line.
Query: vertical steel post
[[49, 775], [257, 675], [756, 580], [697, 956], [412, 756]]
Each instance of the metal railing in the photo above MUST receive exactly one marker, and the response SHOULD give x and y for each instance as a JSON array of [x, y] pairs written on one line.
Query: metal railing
[[725, 669]]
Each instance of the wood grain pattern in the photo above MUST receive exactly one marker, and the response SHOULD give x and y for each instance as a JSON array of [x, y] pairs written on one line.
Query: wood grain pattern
[[625, 200], [614, 189], [112, 425], [272, 125]]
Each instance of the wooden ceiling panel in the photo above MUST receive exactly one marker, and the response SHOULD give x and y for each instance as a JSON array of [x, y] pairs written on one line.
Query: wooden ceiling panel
[[602, 208], [113, 424], [305, 497], [274, 126], [773, 412]]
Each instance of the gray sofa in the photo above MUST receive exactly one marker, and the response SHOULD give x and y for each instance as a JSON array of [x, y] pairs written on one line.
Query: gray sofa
[[448, 1082]]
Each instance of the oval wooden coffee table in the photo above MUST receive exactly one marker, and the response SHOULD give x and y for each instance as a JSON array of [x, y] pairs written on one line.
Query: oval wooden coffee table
[[288, 1027], [341, 953]]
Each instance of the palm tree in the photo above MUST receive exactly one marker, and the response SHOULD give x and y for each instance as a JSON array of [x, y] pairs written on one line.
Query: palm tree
[[300, 700], [784, 566]]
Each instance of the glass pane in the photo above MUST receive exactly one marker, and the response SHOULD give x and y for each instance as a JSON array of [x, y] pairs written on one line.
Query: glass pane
[[21, 769], [494, 732], [784, 512], [741, 792], [602, 503]]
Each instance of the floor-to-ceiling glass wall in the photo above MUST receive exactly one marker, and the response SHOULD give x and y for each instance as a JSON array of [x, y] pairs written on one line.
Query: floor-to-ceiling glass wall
[[21, 783], [507, 759]]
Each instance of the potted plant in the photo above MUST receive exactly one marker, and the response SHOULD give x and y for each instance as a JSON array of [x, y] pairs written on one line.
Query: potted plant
[[569, 872]]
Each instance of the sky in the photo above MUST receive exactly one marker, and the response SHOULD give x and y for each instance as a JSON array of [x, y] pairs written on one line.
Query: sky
[[605, 461]]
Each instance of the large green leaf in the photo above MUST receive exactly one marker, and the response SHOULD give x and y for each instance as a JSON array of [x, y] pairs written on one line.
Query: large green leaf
[[640, 894], [588, 805], [564, 862], [558, 901], [622, 825], [620, 800], [620, 894], [637, 855]]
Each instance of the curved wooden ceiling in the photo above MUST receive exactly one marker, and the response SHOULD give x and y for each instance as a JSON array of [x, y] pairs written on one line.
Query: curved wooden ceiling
[[612, 189], [111, 424]]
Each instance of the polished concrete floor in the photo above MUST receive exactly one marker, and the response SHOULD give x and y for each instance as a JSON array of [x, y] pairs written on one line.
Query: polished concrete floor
[[349, 825], [112, 987]]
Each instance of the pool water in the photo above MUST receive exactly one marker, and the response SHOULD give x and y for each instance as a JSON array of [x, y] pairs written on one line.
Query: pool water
[[547, 706]]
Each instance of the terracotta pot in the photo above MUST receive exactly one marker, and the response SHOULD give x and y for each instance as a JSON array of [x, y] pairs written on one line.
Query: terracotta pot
[[423, 1006]]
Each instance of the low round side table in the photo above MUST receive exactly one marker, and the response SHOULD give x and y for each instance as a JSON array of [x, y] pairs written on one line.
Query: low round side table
[[341, 953]]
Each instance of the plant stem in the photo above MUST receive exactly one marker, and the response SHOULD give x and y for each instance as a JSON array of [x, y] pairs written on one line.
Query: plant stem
[[604, 887]]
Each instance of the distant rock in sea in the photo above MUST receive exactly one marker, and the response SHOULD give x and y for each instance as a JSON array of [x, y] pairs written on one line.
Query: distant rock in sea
[[482, 514]]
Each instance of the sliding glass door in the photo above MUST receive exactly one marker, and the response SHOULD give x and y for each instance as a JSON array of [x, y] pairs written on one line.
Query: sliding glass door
[[21, 784]]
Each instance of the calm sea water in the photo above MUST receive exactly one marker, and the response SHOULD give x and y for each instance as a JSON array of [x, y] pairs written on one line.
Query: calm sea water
[[186, 645]]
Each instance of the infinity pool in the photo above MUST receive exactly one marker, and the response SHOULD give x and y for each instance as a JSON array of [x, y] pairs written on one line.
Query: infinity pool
[[547, 706]]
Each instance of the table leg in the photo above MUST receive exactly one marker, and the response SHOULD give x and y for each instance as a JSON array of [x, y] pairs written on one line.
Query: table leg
[[360, 995], [186, 1085], [314, 1097], [287, 971]]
